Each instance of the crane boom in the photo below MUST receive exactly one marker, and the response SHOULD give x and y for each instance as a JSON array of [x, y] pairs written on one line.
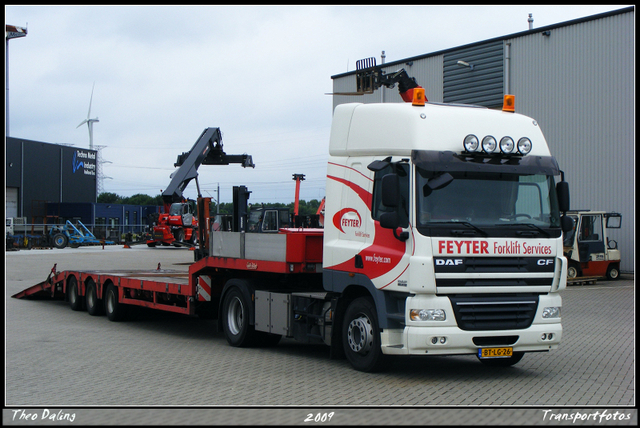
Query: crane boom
[[207, 150]]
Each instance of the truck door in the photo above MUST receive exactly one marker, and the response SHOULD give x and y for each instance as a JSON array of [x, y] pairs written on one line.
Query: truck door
[[590, 237]]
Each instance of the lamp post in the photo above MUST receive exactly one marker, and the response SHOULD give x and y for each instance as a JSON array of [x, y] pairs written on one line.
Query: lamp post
[[12, 32]]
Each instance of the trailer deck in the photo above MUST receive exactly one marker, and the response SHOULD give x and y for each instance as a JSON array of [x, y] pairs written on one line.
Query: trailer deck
[[164, 289]]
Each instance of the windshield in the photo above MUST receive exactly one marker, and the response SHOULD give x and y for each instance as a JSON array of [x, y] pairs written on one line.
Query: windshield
[[487, 203], [176, 209]]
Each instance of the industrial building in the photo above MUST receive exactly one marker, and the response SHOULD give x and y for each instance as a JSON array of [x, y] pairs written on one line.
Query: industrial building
[[38, 172], [52, 183], [575, 78]]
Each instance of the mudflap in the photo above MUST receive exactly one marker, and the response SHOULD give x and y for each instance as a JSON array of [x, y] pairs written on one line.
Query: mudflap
[[44, 290]]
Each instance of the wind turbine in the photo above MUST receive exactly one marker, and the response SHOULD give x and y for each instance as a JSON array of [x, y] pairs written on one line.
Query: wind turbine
[[89, 121]]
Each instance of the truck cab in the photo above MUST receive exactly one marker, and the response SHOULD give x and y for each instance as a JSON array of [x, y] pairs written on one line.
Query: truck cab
[[448, 220], [268, 220], [588, 247]]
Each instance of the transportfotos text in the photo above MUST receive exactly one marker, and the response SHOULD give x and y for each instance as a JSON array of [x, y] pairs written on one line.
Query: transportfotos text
[[595, 416]]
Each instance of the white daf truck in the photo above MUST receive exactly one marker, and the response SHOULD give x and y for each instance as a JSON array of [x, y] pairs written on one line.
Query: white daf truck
[[442, 236]]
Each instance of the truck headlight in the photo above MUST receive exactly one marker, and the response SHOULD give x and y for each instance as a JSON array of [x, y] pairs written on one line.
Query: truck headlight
[[506, 145], [427, 315], [551, 312], [489, 144], [524, 145], [471, 143]]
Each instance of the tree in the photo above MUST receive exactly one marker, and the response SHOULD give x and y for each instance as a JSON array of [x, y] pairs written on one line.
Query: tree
[[139, 199], [109, 198]]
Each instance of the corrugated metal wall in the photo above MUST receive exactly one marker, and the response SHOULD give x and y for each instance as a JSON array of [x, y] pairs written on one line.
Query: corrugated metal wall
[[578, 82], [480, 83]]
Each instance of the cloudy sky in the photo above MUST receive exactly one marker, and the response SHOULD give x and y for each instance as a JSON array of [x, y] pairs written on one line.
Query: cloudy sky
[[163, 74]]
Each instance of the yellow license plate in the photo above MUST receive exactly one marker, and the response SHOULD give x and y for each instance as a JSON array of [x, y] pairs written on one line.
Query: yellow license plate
[[495, 352]]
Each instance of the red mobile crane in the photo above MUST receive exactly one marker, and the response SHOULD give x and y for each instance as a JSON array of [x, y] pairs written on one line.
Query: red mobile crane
[[177, 225]]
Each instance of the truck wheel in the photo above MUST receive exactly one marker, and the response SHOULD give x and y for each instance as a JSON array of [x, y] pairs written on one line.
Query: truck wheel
[[115, 310], [361, 336], [613, 272], [235, 319], [503, 362], [60, 240], [94, 304], [73, 295]]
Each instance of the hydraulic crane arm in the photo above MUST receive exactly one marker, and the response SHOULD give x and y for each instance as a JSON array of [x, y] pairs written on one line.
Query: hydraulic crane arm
[[207, 150], [369, 77]]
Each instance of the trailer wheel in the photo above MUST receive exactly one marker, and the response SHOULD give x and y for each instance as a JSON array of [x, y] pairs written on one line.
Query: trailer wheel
[[503, 362], [60, 240], [235, 319], [361, 336], [73, 295], [115, 310], [613, 272], [94, 305]]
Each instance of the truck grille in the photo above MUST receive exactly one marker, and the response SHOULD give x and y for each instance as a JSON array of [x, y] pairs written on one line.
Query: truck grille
[[478, 272], [494, 312]]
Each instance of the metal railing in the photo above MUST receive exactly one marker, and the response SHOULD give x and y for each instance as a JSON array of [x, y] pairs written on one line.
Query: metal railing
[[35, 232]]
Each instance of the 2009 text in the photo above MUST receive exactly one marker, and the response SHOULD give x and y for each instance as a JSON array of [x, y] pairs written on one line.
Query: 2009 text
[[319, 417]]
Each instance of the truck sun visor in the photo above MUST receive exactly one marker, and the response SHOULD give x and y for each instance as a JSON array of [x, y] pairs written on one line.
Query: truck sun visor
[[431, 160]]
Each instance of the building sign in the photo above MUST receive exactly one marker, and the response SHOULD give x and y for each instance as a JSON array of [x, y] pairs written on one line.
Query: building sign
[[84, 162]]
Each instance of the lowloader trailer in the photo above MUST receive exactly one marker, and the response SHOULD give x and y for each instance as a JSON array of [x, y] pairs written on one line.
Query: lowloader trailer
[[442, 236]]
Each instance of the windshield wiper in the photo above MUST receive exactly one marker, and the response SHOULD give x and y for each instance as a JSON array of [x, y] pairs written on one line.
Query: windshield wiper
[[458, 232], [530, 225]]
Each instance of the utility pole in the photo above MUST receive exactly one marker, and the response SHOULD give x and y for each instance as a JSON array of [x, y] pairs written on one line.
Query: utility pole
[[12, 32]]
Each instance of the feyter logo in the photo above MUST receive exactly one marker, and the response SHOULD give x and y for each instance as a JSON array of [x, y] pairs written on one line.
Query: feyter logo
[[347, 217]]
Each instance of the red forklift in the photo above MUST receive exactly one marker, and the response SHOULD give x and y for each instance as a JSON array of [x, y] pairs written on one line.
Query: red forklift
[[588, 248]]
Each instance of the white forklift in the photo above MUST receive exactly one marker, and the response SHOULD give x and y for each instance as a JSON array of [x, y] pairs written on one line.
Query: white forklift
[[588, 248]]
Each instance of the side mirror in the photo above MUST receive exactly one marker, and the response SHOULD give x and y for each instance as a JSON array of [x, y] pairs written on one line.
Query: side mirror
[[562, 190], [391, 191], [389, 220], [566, 223]]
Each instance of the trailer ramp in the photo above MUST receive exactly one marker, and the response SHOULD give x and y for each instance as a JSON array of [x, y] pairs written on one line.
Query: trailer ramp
[[42, 290]]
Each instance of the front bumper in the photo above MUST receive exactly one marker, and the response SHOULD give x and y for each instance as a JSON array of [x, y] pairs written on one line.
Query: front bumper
[[446, 338]]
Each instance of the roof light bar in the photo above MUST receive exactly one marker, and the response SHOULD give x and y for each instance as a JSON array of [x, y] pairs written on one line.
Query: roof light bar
[[490, 146]]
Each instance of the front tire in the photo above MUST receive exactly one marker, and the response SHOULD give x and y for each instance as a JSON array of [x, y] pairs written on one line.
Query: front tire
[[361, 336], [573, 271], [613, 272]]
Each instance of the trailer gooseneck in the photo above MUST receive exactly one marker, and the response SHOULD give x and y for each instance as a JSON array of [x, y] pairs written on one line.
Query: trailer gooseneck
[[442, 235]]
